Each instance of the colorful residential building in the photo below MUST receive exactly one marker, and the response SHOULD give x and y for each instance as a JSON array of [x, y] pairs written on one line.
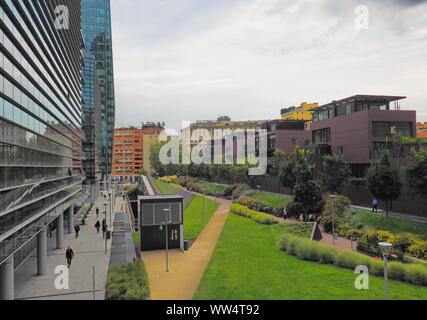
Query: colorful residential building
[[303, 112], [131, 151], [422, 130]]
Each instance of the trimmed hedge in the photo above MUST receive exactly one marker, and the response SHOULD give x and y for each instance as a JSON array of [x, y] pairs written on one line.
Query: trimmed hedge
[[251, 214], [128, 283], [255, 204], [309, 250]]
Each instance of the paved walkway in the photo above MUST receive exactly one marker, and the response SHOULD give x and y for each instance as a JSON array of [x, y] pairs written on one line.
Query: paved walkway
[[186, 268], [89, 250]]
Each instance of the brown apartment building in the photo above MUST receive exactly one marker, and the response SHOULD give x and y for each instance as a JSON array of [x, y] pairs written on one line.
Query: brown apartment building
[[131, 151]]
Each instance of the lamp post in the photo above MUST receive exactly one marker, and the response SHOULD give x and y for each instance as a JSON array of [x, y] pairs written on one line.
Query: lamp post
[[385, 250], [106, 229], [333, 219], [168, 221]]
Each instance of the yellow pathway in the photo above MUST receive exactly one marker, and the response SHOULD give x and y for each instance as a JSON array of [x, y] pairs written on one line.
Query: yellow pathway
[[185, 268]]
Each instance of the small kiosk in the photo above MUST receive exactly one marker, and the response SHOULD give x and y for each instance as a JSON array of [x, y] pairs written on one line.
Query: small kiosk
[[159, 213]]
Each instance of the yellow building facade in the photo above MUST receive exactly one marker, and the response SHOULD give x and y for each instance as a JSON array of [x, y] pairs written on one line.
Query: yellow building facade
[[299, 113]]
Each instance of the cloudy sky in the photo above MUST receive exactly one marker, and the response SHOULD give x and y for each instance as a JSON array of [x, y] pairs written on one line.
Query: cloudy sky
[[179, 60]]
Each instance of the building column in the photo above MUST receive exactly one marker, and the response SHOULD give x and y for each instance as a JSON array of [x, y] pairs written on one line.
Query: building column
[[42, 253], [60, 232], [70, 213], [7, 280]]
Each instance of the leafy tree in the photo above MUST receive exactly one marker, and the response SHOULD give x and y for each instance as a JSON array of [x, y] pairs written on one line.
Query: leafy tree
[[384, 181], [276, 162], [290, 168], [335, 172], [307, 192], [416, 172]]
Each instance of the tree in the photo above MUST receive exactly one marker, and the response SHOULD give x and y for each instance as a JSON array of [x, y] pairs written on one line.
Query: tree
[[290, 167], [416, 172], [335, 172], [307, 192], [384, 181], [276, 162]]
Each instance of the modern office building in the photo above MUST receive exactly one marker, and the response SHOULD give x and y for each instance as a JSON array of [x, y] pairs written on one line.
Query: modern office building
[[40, 130], [131, 151], [96, 28], [91, 126]]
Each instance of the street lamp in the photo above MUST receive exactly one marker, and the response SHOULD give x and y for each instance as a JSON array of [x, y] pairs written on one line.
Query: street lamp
[[106, 229], [385, 250], [332, 196], [168, 221]]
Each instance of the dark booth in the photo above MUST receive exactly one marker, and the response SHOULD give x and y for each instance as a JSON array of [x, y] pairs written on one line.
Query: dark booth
[[159, 213]]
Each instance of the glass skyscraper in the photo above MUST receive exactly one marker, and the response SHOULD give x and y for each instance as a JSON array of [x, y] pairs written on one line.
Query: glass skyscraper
[[96, 28], [40, 129]]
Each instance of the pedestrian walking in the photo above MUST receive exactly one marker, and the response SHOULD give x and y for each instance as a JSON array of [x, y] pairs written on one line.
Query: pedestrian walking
[[375, 205], [104, 228], [97, 226], [77, 230], [69, 255], [285, 213], [97, 212]]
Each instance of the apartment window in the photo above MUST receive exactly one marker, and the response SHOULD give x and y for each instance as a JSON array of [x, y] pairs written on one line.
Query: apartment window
[[382, 129], [340, 150], [322, 136], [294, 141]]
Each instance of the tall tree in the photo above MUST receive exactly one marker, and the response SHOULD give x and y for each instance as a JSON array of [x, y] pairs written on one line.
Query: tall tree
[[307, 192], [290, 167], [276, 162], [416, 172], [335, 172], [384, 181]]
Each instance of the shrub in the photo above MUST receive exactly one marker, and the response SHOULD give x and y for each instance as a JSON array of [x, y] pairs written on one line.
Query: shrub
[[293, 209], [339, 205], [235, 190], [254, 204], [396, 270], [416, 274], [327, 254], [128, 283], [313, 251], [254, 215], [418, 249]]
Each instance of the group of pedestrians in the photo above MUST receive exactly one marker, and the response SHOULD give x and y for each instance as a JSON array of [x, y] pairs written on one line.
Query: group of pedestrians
[[69, 253]]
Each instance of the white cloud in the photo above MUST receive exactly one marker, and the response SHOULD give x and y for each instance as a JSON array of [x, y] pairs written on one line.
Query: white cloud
[[247, 59]]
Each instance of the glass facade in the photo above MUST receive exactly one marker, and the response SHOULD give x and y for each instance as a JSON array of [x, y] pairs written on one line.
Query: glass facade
[[91, 123], [96, 28], [40, 118]]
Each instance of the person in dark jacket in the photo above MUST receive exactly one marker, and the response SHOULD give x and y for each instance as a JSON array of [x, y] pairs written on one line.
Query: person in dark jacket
[[77, 230], [97, 212], [104, 228], [69, 254], [97, 226]]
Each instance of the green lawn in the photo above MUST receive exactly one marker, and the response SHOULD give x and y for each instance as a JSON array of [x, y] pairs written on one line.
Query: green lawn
[[392, 224], [215, 188], [247, 264], [165, 188], [194, 217], [275, 201]]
